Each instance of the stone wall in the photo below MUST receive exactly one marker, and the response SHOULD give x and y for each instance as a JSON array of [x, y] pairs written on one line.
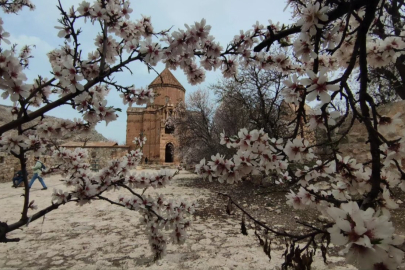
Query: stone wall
[[145, 121], [355, 143], [99, 156], [9, 165]]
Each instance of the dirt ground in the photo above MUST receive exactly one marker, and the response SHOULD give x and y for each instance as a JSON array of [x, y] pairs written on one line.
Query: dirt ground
[[103, 236], [267, 202]]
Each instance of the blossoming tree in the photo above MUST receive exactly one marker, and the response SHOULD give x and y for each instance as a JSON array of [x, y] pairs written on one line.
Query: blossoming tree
[[83, 82], [327, 54]]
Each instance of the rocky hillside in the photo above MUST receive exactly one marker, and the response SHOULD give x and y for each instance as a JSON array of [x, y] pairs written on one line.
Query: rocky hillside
[[93, 135]]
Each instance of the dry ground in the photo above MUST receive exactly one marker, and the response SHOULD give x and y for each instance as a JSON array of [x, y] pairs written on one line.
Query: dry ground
[[103, 236]]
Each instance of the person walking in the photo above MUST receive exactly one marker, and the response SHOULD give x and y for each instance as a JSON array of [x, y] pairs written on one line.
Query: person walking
[[37, 174]]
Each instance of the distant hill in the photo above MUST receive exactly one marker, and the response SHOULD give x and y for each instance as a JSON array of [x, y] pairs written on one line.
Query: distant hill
[[93, 135]]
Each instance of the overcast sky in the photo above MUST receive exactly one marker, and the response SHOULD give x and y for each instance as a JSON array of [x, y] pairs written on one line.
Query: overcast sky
[[226, 18]]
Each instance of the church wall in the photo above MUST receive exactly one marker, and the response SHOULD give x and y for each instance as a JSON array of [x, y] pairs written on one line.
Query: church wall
[[175, 95], [152, 119], [151, 129], [164, 140], [151, 122], [134, 125]]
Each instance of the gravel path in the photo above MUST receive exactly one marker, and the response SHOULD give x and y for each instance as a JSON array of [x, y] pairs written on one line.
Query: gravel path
[[103, 236]]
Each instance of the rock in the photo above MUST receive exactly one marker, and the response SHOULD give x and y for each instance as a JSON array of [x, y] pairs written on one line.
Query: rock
[[278, 211], [57, 262], [83, 228], [297, 217], [13, 262], [205, 241], [399, 202]]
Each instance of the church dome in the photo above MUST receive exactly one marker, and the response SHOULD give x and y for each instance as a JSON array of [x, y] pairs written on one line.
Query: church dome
[[167, 88]]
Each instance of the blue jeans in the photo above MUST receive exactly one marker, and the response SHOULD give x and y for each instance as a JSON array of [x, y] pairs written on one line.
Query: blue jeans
[[35, 176]]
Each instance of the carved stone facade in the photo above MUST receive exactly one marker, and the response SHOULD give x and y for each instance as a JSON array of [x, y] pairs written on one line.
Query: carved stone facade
[[154, 121]]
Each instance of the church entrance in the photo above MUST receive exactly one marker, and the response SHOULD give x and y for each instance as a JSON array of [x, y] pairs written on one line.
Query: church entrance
[[169, 153]]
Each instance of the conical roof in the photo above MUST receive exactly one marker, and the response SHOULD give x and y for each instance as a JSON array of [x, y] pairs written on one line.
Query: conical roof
[[166, 79]]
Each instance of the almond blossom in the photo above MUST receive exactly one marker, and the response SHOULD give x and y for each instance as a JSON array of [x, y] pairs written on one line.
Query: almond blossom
[[367, 236], [316, 119], [294, 149], [319, 86], [293, 91], [311, 16], [388, 124]]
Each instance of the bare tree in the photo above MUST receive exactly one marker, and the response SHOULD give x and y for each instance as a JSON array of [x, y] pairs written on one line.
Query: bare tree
[[195, 128], [255, 94]]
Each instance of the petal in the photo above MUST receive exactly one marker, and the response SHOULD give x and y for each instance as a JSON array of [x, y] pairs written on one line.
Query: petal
[[334, 114], [311, 74], [312, 87], [306, 81], [344, 225], [331, 122], [325, 97], [322, 79], [311, 96], [287, 83], [323, 17], [332, 87]]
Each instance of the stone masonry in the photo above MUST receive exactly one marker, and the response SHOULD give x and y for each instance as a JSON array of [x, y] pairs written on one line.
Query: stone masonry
[[9, 165], [154, 121], [355, 143], [99, 153]]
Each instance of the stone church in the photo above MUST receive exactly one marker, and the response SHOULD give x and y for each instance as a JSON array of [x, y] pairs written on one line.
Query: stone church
[[154, 120]]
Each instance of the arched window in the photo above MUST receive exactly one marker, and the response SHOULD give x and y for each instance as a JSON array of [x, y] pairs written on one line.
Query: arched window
[[169, 129], [169, 126], [169, 153]]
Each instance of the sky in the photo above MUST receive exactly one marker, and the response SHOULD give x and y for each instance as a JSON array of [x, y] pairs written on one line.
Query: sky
[[226, 18]]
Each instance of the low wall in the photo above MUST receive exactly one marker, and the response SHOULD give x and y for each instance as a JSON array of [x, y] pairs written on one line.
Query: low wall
[[9, 165], [99, 156]]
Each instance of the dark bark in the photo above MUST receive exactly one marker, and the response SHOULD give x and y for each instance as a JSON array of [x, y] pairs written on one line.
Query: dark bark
[[341, 10], [373, 139]]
